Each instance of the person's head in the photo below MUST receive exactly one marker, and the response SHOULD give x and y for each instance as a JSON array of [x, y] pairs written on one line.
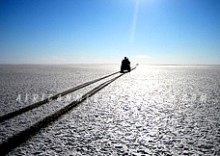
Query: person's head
[[125, 58]]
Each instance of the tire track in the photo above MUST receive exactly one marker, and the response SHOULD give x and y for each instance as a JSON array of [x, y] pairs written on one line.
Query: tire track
[[26, 134], [56, 96]]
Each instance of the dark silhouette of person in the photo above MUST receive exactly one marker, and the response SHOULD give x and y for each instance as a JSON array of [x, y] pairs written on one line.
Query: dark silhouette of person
[[125, 65]]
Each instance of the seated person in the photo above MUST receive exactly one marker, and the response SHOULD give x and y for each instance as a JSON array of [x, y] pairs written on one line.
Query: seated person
[[125, 65]]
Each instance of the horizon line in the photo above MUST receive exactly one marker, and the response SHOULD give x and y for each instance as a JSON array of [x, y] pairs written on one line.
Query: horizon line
[[150, 64]]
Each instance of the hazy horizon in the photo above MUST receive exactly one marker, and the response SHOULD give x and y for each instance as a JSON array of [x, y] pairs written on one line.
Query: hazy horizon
[[133, 64]]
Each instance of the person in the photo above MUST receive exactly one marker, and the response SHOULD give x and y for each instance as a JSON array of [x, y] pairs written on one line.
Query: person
[[125, 65]]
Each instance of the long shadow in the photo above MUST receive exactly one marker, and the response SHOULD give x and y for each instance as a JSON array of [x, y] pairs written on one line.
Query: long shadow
[[40, 103], [23, 136]]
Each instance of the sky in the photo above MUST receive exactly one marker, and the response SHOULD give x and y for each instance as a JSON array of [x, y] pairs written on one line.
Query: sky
[[104, 31]]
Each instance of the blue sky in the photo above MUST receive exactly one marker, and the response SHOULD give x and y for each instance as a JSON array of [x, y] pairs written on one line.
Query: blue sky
[[104, 31]]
